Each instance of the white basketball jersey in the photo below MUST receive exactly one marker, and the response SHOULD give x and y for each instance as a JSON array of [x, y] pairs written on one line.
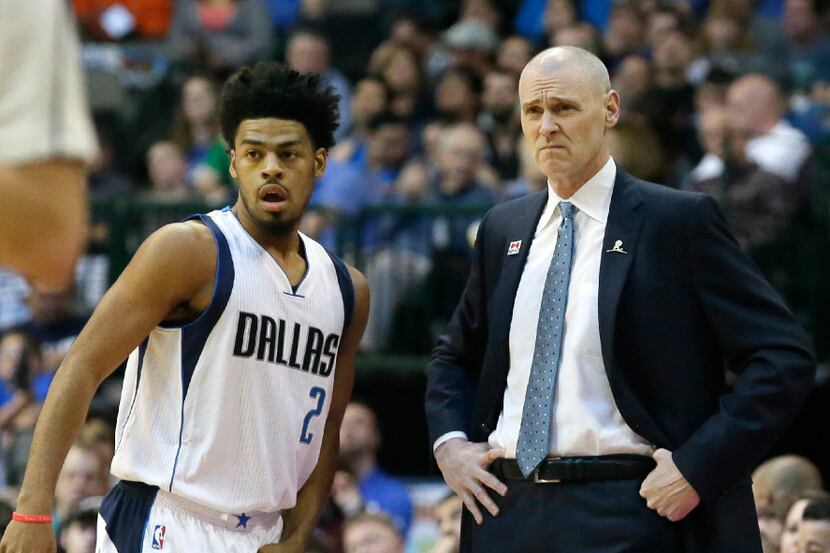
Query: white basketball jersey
[[228, 410]]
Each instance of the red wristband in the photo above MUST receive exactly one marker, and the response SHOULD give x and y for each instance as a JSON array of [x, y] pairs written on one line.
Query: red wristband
[[37, 519]]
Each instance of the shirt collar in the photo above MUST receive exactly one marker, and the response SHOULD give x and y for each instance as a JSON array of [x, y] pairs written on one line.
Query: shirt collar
[[593, 198]]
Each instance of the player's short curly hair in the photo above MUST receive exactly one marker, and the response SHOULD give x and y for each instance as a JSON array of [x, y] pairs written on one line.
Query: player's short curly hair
[[270, 89]]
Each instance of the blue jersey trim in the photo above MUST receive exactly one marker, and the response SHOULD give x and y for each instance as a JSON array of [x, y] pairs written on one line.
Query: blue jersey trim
[[142, 349], [195, 334], [344, 279], [126, 512]]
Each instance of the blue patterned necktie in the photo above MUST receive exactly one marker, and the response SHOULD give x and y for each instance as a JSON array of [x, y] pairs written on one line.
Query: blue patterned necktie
[[534, 433]]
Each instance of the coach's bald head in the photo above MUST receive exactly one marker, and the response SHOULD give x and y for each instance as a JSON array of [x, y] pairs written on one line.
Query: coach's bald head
[[567, 105]]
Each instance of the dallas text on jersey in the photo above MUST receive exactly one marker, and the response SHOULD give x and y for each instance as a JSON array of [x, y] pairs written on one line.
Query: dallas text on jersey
[[265, 337]]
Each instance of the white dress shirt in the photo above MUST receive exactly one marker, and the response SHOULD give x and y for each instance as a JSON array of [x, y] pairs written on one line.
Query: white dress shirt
[[586, 420]]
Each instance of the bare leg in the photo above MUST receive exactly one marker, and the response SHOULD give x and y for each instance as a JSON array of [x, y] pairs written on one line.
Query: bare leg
[[43, 220]]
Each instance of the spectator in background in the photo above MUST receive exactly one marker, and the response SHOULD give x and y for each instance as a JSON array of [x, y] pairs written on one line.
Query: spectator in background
[[448, 515], [6, 510], [499, 120], [807, 42], [401, 69], [371, 533], [19, 361], [814, 530], [712, 129], [78, 532], [792, 520], [633, 81], [771, 527], [380, 160], [672, 111], [626, 32], [756, 107], [635, 147], [360, 441], [220, 35], [537, 19], [471, 44], [167, 169], [457, 96], [196, 132], [370, 100], [513, 54], [780, 480], [98, 435], [104, 20], [582, 35], [725, 43], [54, 326], [308, 51], [530, 180], [84, 474]]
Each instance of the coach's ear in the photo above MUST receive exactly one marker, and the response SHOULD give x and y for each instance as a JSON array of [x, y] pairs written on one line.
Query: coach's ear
[[232, 166]]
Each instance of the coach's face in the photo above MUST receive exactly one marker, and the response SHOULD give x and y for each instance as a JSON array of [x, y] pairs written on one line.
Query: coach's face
[[565, 113], [276, 165]]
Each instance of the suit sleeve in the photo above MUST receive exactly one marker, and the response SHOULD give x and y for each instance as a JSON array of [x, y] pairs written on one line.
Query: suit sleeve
[[452, 372], [760, 340]]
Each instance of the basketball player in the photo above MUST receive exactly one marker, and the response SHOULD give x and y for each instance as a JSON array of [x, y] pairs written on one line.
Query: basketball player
[[46, 139], [243, 334]]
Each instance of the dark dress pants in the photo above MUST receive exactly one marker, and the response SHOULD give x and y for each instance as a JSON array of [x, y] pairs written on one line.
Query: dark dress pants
[[588, 517]]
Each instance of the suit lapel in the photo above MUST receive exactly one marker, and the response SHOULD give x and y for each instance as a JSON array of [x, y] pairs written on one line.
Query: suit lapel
[[501, 312], [622, 230]]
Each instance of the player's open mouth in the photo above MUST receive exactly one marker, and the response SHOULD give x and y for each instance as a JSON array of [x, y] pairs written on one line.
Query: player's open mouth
[[273, 198]]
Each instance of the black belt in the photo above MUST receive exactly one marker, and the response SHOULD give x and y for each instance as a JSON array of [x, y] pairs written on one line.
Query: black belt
[[555, 470]]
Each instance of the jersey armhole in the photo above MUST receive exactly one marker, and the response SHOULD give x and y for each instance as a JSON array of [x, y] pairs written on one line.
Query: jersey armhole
[[344, 280], [222, 283]]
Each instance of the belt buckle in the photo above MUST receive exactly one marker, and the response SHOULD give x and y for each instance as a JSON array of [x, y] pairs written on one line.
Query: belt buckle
[[539, 480]]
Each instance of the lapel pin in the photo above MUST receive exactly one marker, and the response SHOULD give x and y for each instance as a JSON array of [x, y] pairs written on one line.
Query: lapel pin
[[514, 247], [618, 248]]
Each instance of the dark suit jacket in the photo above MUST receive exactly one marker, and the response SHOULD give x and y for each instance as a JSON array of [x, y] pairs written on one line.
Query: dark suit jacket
[[681, 306]]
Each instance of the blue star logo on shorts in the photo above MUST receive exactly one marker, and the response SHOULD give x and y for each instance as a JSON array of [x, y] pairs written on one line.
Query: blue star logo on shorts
[[243, 520]]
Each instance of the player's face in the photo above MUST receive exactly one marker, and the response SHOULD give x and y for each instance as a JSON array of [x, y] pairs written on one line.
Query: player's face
[[275, 164], [371, 537], [814, 536], [789, 538]]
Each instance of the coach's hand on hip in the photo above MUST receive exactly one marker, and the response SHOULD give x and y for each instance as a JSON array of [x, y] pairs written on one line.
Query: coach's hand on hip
[[28, 538], [667, 491], [464, 466]]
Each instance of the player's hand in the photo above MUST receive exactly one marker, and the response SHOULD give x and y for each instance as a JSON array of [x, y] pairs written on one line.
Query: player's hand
[[21, 537], [464, 466], [667, 491]]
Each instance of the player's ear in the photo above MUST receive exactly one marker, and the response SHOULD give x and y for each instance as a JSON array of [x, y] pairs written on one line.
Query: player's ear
[[320, 158], [232, 166]]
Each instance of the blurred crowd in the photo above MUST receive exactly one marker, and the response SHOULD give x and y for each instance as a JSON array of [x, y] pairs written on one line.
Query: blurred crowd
[[726, 97]]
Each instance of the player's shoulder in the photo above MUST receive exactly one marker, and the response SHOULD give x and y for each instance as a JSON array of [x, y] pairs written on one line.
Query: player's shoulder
[[191, 235], [187, 246]]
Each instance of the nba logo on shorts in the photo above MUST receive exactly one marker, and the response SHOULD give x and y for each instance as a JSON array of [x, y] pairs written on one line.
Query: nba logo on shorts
[[158, 536], [514, 247]]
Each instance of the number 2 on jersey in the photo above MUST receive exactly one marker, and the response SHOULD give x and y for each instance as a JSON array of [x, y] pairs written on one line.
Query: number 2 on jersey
[[320, 395]]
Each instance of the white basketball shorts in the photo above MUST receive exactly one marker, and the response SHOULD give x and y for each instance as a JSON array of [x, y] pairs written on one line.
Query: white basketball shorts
[[137, 518]]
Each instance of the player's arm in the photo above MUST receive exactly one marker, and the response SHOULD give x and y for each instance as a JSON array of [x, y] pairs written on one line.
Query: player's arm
[[173, 266], [301, 520]]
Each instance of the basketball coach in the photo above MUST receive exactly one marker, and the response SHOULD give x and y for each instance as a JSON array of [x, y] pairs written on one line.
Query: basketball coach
[[577, 401]]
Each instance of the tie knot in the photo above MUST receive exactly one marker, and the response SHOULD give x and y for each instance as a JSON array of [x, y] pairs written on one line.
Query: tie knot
[[567, 209]]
